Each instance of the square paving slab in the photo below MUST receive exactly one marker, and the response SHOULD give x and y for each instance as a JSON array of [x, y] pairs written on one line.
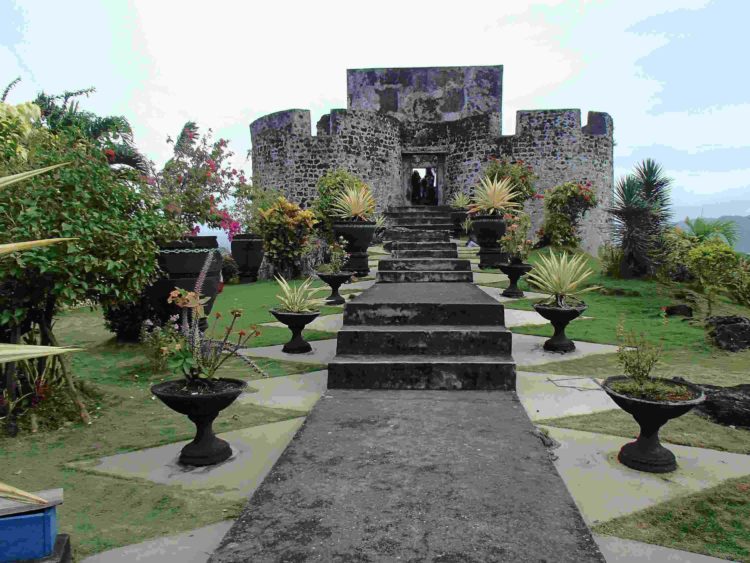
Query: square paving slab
[[322, 352], [604, 488], [412, 476], [297, 392], [528, 350], [549, 396], [255, 450]]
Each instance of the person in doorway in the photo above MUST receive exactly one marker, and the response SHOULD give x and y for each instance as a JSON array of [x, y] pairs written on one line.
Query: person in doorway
[[430, 194], [416, 182]]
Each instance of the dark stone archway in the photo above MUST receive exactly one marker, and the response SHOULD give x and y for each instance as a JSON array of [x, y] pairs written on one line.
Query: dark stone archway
[[426, 157]]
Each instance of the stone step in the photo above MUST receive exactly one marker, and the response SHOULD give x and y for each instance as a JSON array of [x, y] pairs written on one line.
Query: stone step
[[428, 245], [429, 276], [418, 226], [487, 372], [402, 214], [425, 253], [420, 304], [414, 235], [419, 222], [424, 339], [420, 208], [423, 264]]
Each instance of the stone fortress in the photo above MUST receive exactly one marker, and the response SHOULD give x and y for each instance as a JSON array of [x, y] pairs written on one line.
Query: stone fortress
[[446, 118]]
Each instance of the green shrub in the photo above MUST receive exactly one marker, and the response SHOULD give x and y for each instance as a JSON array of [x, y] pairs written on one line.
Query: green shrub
[[285, 229], [249, 200], [739, 285], [329, 186], [564, 207], [713, 263], [672, 255], [230, 271], [610, 257], [521, 175]]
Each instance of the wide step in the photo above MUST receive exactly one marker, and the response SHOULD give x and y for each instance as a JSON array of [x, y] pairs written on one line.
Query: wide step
[[424, 340], [423, 264], [422, 372], [424, 253], [430, 276]]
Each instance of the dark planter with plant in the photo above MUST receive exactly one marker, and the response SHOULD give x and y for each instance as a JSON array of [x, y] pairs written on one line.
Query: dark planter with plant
[[332, 274], [247, 251], [515, 243], [651, 401], [560, 276], [200, 395], [491, 198], [354, 207], [459, 209], [298, 308]]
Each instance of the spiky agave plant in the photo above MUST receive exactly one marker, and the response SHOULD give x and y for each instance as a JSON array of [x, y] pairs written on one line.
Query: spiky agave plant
[[494, 196], [561, 276], [634, 229], [355, 203], [460, 201], [300, 298]]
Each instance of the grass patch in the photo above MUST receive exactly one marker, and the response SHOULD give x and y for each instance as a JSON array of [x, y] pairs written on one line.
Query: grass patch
[[103, 512], [687, 430], [712, 522]]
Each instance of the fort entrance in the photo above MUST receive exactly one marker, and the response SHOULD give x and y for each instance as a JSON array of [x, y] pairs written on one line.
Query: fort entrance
[[423, 176]]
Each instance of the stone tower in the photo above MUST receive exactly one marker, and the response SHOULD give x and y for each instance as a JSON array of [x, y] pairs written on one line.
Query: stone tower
[[446, 118]]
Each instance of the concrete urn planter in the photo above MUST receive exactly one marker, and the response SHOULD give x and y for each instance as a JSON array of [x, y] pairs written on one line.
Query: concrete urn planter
[[488, 229], [647, 453], [358, 236], [296, 323], [559, 317], [514, 271], [247, 251], [202, 409], [335, 281]]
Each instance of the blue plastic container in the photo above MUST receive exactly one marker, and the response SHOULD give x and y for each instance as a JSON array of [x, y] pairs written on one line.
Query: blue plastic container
[[29, 535]]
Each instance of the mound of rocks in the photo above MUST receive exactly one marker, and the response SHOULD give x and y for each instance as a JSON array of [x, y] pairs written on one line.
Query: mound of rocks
[[729, 406], [730, 333]]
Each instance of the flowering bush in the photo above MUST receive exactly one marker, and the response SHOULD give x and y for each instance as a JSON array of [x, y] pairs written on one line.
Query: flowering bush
[[285, 229], [195, 182], [520, 173], [516, 240], [338, 257], [564, 207], [249, 200], [158, 340]]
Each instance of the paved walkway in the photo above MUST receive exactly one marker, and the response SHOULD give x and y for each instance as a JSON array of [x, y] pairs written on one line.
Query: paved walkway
[[601, 487]]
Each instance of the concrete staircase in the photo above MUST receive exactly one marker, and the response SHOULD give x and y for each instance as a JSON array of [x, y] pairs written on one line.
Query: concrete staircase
[[423, 325]]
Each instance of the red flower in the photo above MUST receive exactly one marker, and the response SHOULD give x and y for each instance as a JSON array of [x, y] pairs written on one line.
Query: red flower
[[110, 154], [538, 196]]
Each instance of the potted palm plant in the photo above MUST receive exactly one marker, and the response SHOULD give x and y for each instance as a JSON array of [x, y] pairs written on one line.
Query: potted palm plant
[[560, 276], [298, 308], [199, 394], [516, 244], [332, 274], [492, 198], [459, 207], [651, 401], [354, 208]]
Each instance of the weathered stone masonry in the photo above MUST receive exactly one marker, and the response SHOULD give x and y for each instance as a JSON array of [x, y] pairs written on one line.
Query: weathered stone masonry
[[447, 117]]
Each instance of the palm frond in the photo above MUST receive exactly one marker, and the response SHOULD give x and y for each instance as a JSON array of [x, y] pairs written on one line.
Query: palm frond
[[26, 245], [6, 181], [704, 229]]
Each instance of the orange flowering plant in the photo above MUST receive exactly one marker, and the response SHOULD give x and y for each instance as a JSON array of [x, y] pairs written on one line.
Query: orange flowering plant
[[194, 354]]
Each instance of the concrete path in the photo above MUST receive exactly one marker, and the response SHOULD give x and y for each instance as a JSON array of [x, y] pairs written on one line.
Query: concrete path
[[190, 547], [616, 550], [322, 352], [255, 450], [370, 479], [297, 392], [549, 396]]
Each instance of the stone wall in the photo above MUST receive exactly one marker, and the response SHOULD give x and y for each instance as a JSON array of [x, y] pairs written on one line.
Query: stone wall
[[560, 150], [428, 94], [287, 156]]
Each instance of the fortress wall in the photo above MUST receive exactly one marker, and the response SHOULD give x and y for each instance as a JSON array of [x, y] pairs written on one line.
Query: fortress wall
[[472, 144], [428, 94], [560, 150], [287, 156]]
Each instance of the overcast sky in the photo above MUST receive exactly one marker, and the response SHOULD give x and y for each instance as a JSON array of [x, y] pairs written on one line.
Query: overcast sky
[[669, 72]]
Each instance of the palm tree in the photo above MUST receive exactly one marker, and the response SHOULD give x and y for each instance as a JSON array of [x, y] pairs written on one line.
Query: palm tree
[[704, 229], [641, 214]]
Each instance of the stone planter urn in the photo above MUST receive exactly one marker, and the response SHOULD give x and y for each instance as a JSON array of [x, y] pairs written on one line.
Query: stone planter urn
[[559, 317], [458, 216], [647, 453], [488, 229], [296, 323], [335, 281], [247, 251], [358, 236], [202, 409], [514, 271]]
